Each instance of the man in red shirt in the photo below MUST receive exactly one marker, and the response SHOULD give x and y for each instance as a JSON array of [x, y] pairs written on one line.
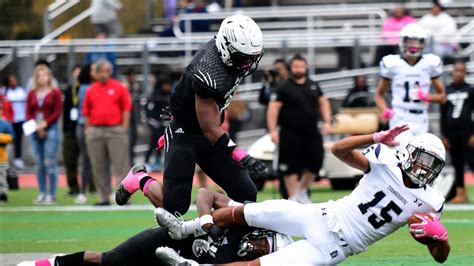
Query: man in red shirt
[[106, 110]]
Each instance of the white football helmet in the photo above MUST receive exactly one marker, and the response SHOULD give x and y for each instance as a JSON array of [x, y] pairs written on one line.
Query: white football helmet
[[253, 244], [423, 158], [240, 43], [408, 36]]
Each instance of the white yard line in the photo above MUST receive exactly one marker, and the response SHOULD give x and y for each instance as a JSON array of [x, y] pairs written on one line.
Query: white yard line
[[76, 208], [147, 207]]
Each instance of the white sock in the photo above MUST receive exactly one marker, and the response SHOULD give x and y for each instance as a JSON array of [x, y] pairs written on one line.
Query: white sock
[[192, 226]]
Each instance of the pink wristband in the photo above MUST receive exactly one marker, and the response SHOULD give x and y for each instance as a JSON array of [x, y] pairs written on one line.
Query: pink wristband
[[145, 187], [238, 154]]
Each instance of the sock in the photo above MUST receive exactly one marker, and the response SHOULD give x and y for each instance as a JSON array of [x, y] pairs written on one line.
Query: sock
[[76, 259], [191, 226], [143, 182]]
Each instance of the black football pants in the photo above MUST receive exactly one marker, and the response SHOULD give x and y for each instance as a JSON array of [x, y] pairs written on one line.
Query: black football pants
[[182, 151]]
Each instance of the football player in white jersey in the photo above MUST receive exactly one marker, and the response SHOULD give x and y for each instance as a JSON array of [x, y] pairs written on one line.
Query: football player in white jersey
[[392, 190], [410, 75]]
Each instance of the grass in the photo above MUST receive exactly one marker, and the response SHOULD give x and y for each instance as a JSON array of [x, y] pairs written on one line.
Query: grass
[[48, 231]]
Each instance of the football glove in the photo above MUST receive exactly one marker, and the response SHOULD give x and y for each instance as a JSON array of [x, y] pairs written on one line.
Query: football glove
[[432, 228], [255, 168]]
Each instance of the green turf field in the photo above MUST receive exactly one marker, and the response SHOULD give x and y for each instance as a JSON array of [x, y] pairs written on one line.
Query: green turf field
[[39, 230]]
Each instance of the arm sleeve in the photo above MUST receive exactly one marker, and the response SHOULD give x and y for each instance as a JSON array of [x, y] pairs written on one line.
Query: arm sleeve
[[384, 70], [202, 91], [29, 107], [436, 68], [58, 107], [320, 92], [279, 94]]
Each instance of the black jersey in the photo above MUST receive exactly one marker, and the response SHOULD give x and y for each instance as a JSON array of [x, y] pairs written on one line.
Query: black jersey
[[208, 77], [458, 111], [300, 109], [140, 248]]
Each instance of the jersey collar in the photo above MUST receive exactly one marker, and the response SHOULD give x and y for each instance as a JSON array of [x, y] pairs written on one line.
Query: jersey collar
[[404, 59]]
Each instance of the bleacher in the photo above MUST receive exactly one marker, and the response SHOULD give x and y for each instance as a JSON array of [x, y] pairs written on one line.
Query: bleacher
[[312, 28]]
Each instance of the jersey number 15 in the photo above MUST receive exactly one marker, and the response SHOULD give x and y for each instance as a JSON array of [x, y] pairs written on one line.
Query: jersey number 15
[[379, 221]]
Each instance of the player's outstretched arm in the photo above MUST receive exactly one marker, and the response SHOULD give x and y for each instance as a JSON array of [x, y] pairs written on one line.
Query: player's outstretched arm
[[379, 93], [345, 149], [440, 95]]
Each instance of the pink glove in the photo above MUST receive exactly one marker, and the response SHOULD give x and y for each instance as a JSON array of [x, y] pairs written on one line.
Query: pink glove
[[161, 143], [387, 113], [388, 137], [421, 95], [429, 228]]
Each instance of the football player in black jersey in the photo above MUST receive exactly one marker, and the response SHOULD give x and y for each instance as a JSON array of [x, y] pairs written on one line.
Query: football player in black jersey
[[205, 89], [239, 243]]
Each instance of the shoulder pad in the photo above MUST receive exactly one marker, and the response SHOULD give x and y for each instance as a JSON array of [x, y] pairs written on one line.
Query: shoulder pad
[[432, 59], [390, 60], [211, 73], [380, 154]]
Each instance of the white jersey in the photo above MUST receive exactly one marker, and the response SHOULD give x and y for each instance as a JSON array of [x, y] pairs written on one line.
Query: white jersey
[[381, 203], [405, 78]]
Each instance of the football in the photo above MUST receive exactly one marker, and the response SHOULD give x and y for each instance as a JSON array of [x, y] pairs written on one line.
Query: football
[[423, 240]]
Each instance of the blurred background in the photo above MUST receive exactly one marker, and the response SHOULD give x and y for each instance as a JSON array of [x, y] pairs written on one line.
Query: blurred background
[[150, 41]]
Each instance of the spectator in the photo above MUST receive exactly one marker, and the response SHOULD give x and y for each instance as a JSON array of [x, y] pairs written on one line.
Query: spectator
[[135, 91], [41, 62], [86, 77], [70, 145], [441, 27], [6, 136], [106, 112], [158, 100], [278, 73], [390, 32], [297, 106], [359, 96], [104, 17], [457, 126], [198, 25], [44, 105], [16, 95], [96, 54]]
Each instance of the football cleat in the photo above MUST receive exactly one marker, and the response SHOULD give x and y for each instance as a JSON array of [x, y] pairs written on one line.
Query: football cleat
[[130, 184], [170, 257], [174, 225]]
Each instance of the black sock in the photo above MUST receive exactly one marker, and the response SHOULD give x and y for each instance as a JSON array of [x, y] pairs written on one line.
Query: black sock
[[74, 259], [143, 181]]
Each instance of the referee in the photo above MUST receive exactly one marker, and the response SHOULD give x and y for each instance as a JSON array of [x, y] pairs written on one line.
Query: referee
[[457, 126], [297, 106]]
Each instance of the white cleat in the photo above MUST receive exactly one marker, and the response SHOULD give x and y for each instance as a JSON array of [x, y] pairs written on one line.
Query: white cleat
[[171, 258], [174, 225]]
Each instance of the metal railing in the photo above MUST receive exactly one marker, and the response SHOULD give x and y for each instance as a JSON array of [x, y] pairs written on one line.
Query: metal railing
[[55, 9]]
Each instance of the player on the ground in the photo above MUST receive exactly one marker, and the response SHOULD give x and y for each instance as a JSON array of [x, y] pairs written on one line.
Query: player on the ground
[[205, 89], [235, 244], [410, 75], [392, 190]]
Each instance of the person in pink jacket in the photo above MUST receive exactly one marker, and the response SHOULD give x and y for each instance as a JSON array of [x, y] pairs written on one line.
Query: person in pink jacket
[[390, 32]]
